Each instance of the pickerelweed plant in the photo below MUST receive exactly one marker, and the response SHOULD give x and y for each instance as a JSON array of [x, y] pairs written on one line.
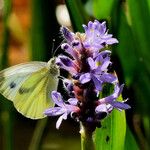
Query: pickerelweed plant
[[87, 63]]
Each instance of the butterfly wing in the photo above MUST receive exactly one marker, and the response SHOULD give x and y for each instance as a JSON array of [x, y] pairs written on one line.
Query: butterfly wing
[[28, 86]]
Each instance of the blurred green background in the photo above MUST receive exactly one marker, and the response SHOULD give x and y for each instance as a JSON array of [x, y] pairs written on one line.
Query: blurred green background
[[29, 30]]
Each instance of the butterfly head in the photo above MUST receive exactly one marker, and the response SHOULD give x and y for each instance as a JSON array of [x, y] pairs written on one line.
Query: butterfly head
[[53, 68]]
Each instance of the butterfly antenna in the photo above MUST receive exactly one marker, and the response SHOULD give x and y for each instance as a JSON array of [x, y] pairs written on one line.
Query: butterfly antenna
[[54, 52], [52, 49]]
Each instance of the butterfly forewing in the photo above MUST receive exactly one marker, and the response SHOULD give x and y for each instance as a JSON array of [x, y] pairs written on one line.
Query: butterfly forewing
[[28, 86], [12, 78]]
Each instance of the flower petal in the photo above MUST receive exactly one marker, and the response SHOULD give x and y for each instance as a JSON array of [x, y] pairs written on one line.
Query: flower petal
[[77, 45], [97, 83], [67, 64], [84, 78], [68, 85], [66, 61], [69, 36], [101, 108], [105, 65], [73, 101], [85, 27], [103, 27], [91, 63], [56, 111], [69, 50], [107, 77], [111, 41], [57, 98], [109, 99], [120, 105], [118, 90], [59, 121]]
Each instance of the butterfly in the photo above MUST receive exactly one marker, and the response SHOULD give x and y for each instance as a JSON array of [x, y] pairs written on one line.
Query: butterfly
[[29, 85]]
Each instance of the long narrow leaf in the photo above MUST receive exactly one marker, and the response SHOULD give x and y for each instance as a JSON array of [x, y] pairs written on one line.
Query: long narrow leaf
[[130, 142], [77, 14], [103, 8], [139, 17]]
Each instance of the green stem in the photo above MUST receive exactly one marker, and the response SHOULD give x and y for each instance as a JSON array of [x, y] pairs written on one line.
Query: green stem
[[87, 142], [37, 135]]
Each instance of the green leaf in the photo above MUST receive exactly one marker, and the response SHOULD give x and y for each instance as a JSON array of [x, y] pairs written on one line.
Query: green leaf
[[89, 7], [133, 50], [130, 142], [139, 14], [146, 125], [111, 136], [43, 29], [126, 48], [38, 45], [130, 57], [77, 14], [103, 8]]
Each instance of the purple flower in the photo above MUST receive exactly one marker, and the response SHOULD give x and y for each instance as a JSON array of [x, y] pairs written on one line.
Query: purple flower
[[67, 64], [108, 103], [68, 86], [69, 36], [98, 72], [68, 49], [97, 36], [73, 45], [62, 109]]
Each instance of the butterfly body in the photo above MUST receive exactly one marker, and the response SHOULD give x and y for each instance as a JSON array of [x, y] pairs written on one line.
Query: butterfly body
[[29, 85]]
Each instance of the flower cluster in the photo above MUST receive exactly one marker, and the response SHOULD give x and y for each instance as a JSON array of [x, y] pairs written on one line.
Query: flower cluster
[[87, 62]]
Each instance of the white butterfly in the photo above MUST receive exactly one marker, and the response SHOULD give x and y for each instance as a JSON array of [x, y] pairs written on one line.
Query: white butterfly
[[28, 86]]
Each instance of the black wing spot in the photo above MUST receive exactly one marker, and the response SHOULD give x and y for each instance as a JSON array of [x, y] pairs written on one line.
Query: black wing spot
[[23, 90], [12, 85], [107, 138]]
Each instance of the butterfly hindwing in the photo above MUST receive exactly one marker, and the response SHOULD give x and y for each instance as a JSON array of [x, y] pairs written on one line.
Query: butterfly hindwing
[[28, 86]]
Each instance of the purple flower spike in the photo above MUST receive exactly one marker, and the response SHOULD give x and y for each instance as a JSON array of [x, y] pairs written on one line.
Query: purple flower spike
[[87, 60], [62, 108]]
